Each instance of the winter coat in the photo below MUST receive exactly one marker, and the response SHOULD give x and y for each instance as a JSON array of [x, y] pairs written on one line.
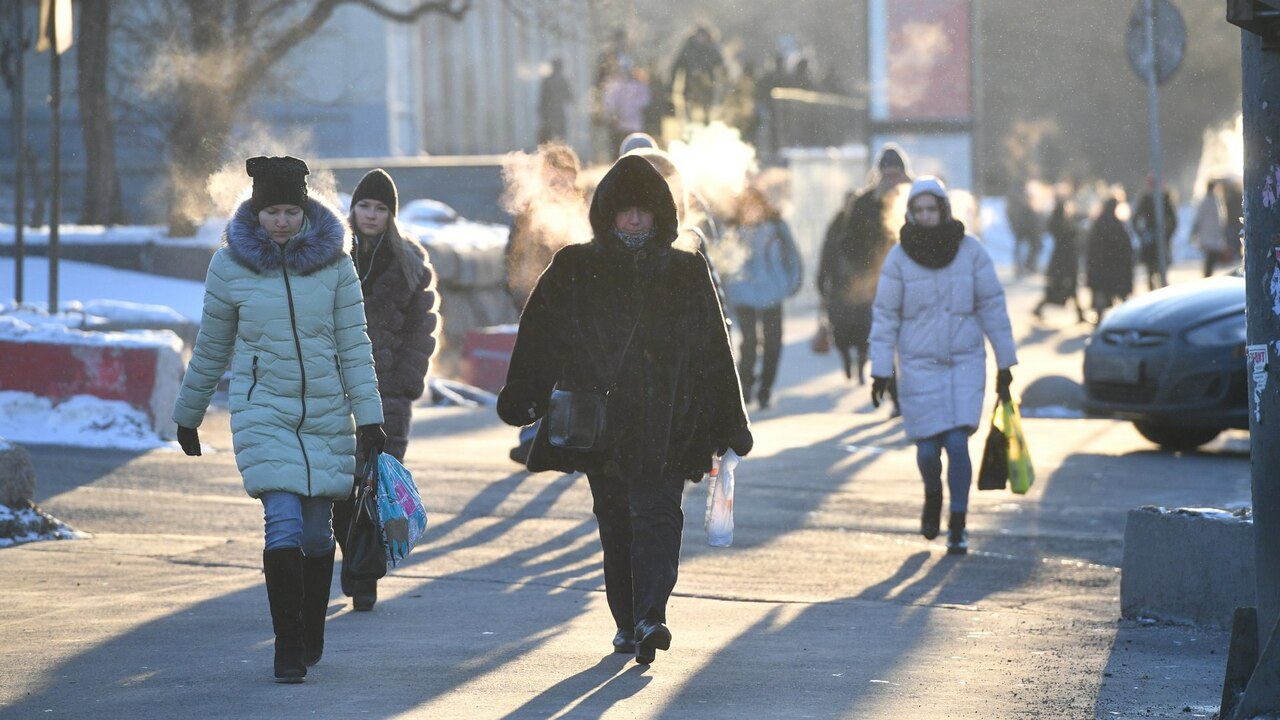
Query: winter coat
[[852, 254], [771, 270], [676, 397], [1109, 260], [1209, 227], [401, 306], [1062, 274], [289, 321], [936, 319]]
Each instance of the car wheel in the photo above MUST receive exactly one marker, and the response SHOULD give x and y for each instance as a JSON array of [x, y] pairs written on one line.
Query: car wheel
[[1177, 438]]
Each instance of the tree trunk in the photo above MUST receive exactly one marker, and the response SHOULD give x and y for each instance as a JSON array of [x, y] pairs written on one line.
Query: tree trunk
[[102, 204]]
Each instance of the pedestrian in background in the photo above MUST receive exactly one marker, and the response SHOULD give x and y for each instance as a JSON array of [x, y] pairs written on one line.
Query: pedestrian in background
[[553, 95], [401, 306], [857, 241], [1109, 259], [633, 318], [1144, 225], [766, 270], [937, 299], [626, 96], [1062, 276], [283, 310], [1208, 229], [701, 65]]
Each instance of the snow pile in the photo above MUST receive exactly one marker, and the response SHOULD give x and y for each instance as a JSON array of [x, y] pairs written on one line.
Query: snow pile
[[81, 420], [50, 329], [30, 524]]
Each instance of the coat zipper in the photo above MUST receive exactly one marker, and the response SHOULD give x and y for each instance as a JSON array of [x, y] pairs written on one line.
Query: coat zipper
[[254, 384], [302, 368]]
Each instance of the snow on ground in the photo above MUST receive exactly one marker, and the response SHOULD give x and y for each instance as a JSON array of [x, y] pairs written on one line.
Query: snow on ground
[[81, 420], [24, 525], [34, 327], [86, 283]]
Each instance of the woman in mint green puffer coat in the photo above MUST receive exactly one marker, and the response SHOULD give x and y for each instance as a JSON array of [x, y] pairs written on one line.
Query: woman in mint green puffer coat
[[283, 309]]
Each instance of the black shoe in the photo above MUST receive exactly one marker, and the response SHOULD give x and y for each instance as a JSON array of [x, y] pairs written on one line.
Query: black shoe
[[520, 453], [651, 637], [763, 398], [931, 518], [624, 641], [957, 538], [364, 595]]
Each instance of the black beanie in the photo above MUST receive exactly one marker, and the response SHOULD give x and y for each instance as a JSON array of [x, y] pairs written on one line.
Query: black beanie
[[277, 181], [377, 185]]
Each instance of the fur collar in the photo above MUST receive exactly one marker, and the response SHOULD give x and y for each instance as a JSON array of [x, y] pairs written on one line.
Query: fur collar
[[934, 247], [316, 247]]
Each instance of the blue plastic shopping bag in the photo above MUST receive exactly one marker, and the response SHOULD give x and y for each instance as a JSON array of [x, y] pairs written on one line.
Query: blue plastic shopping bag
[[404, 518]]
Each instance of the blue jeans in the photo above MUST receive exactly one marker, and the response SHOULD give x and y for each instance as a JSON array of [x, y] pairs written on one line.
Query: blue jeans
[[959, 467], [292, 521]]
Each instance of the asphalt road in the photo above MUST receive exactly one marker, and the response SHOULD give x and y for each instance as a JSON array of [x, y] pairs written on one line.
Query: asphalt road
[[829, 604]]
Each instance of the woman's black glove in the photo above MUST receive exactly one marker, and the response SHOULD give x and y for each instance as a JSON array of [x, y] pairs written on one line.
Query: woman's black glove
[[518, 412], [373, 437], [879, 385], [189, 439], [1004, 378], [741, 442]]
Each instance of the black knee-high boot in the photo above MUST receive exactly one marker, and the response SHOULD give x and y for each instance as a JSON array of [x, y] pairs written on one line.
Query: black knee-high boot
[[283, 568], [317, 577], [957, 538]]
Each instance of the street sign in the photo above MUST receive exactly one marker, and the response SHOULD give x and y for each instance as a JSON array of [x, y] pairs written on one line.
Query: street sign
[[1170, 40]]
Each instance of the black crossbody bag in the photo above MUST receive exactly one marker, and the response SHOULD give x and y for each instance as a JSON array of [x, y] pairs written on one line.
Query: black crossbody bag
[[576, 418]]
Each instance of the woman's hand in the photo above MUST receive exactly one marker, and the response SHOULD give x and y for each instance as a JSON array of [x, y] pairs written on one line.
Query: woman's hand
[[373, 437], [189, 439]]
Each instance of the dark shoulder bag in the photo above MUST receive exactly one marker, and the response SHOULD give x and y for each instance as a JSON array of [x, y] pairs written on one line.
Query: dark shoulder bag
[[365, 557], [576, 418]]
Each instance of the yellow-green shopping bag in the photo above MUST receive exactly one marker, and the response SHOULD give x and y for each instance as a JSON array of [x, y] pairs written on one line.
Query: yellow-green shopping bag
[[1021, 472]]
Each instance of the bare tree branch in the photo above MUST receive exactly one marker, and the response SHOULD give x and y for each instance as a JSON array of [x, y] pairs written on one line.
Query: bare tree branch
[[456, 9]]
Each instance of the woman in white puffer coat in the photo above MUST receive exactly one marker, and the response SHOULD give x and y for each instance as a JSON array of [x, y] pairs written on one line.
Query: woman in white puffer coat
[[938, 296]]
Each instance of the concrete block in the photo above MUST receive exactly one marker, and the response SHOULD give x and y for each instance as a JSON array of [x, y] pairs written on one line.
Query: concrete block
[[17, 475], [1189, 565], [144, 371], [486, 353]]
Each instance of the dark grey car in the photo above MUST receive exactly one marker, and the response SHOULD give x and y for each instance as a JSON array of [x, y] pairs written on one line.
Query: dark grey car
[[1172, 361]]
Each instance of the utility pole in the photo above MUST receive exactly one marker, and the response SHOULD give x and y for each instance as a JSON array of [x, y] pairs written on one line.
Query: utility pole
[[1260, 75], [55, 160], [1153, 99], [19, 177]]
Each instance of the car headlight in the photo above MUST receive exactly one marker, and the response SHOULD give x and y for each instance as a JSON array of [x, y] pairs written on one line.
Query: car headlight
[[1222, 332]]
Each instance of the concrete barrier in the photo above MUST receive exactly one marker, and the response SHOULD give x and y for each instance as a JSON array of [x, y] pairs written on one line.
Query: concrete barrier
[[486, 353], [1187, 565], [143, 370]]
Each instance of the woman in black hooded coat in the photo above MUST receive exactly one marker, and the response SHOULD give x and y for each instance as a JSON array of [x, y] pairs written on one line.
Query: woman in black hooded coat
[[629, 314]]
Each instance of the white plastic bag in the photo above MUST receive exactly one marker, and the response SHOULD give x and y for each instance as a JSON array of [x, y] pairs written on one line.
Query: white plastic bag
[[719, 517]]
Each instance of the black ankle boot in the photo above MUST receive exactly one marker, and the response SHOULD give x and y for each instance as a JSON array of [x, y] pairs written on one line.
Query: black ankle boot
[[931, 518], [317, 577], [957, 538], [283, 569]]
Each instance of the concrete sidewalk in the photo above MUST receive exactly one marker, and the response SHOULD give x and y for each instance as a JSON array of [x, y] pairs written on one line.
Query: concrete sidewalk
[[829, 604]]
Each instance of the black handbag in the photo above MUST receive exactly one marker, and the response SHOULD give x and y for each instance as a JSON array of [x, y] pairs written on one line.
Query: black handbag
[[365, 557], [993, 474], [576, 418]]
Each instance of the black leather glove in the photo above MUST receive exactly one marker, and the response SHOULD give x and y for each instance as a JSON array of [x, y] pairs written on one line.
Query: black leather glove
[[1003, 379], [879, 386], [741, 442], [189, 439], [518, 412], [373, 437]]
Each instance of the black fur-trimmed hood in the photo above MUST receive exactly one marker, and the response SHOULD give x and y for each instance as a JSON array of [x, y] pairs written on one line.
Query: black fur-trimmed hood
[[633, 181], [324, 239]]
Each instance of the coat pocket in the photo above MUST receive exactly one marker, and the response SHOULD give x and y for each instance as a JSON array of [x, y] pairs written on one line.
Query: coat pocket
[[337, 364], [254, 370]]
